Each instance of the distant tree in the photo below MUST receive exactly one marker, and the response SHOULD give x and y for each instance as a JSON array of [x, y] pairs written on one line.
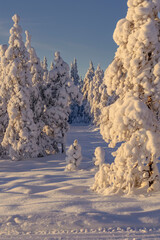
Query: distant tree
[[133, 118], [74, 72], [86, 90], [75, 116], [95, 95], [20, 137]]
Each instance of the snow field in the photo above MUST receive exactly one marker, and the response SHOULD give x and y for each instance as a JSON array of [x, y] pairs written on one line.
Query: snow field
[[40, 201]]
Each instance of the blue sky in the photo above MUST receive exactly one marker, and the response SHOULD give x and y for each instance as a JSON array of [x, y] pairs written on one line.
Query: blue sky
[[77, 28]]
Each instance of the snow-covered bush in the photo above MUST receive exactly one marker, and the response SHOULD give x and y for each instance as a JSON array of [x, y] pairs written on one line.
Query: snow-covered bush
[[134, 76], [74, 156], [99, 156]]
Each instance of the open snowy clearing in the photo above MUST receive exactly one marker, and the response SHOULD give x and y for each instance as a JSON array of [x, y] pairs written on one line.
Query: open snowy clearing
[[42, 202]]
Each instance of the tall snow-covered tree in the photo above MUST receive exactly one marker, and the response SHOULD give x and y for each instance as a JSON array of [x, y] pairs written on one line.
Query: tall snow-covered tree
[[20, 137], [133, 118], [37, 104], [58, 94], [86, 90]]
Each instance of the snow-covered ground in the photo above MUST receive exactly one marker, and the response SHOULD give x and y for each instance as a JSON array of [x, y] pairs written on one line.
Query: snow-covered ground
[[40, 201]]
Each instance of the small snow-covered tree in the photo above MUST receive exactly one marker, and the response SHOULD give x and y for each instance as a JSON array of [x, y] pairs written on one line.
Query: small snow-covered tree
[[74, 156], [87, 91], [20, 137], [134, 75]]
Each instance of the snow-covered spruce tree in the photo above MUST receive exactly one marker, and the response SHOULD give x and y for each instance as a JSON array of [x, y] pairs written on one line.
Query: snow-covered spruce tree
[[133, 119], [87, 90], [58, 94], [75, 116], [37, 104], [95, 95], [74, 156], [21, 134]]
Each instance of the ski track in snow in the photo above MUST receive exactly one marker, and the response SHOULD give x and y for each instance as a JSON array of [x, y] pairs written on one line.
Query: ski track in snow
[[40, 201]]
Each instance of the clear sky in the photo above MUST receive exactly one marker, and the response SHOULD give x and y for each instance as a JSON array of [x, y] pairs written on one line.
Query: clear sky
[[77, 28]]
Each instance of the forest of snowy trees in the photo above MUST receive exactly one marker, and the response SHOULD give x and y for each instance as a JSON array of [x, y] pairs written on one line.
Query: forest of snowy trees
[[37, 104]]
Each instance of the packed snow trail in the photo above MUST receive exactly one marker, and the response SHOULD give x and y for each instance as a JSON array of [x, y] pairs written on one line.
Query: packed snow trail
[[40, 201]]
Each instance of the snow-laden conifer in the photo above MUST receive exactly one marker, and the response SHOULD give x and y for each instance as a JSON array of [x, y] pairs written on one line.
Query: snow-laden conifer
[[21, 134], [58, 96], [74, 156], [134, 75]]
